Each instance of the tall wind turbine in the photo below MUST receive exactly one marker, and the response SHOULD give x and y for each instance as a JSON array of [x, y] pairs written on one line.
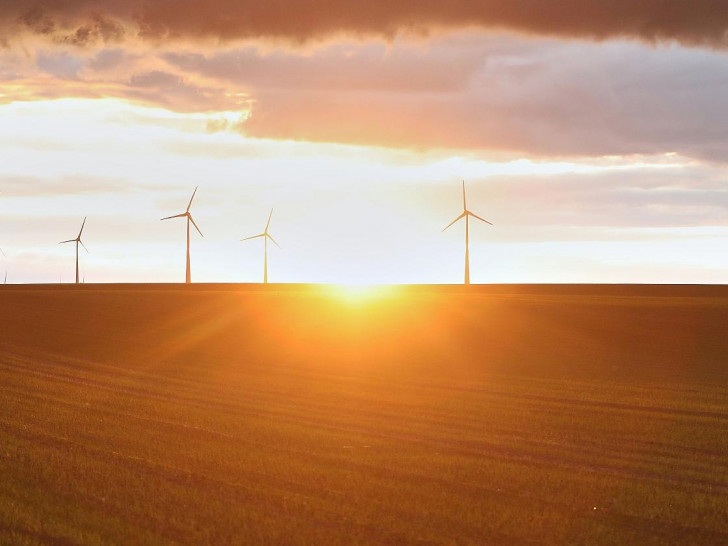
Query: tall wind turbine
[[467, 214], [186, 214], [78, 241], [265, 236]]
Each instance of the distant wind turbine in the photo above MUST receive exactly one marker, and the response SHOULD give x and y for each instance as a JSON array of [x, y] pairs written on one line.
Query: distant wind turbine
[[467, 214], [186, 214], [265, 236], [78, 241]]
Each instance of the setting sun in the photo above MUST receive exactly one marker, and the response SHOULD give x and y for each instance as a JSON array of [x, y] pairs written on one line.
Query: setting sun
[[360, 294]]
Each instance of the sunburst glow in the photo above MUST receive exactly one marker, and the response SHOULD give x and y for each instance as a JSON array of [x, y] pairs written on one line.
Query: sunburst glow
[[360, 294]]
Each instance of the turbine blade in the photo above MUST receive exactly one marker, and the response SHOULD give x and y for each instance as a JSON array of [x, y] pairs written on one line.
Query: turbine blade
[[193, 223], [479, 218], [456, 219], [254, 237], [3, 253], [84, 246], [175, 216], [191, 198], [272, 239], [82, 225], [268, 223], [69, 241]]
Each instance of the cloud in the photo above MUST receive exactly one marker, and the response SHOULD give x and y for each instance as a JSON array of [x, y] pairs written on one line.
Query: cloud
[[175, 92], [669, 196], [535, 97], [66, 72], [35, 186], [494, 94], [108, 59], [694, 22], [61, 65]]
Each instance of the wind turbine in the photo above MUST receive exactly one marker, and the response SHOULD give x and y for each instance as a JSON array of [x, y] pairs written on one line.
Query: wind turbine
[[186, 214], [265, 236], [467, 214], [78, 241]]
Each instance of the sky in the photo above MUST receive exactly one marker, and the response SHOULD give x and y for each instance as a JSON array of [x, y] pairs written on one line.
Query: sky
[[593, 134]]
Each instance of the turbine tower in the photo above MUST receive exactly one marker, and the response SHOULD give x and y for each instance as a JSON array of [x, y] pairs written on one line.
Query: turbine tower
[[467, 214], [78, 241], [186, 214], [265, 236]]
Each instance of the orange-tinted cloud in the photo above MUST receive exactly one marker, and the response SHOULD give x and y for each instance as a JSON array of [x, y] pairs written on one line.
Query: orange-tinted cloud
[[488, 94], [694, 22], [535, 97]]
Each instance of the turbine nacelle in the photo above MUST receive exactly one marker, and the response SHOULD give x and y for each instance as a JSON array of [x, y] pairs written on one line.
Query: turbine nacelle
[[466, 212], [265, 232], [78, 238]]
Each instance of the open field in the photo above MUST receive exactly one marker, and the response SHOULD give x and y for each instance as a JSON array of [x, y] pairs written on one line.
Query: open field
[[301, 415]]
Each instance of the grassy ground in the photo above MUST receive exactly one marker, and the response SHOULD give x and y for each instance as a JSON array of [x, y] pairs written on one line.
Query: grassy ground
[[297, 415]]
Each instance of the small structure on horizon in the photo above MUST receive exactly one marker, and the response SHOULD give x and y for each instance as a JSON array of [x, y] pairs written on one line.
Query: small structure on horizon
[[265, 236], [467, 214], [78, 241], [185, 214]]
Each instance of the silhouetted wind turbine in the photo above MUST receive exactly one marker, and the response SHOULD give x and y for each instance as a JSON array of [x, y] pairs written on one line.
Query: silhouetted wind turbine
[[467, 214], [265, 236], [186, 214], [78, 241]]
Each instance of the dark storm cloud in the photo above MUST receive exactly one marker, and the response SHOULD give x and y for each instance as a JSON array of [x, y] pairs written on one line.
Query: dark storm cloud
[[693, 22]]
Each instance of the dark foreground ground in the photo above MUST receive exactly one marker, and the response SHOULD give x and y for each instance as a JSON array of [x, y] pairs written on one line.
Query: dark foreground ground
[[293, 415]]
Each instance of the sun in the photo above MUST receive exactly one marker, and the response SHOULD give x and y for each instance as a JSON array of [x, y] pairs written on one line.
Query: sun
[[357, 294]]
